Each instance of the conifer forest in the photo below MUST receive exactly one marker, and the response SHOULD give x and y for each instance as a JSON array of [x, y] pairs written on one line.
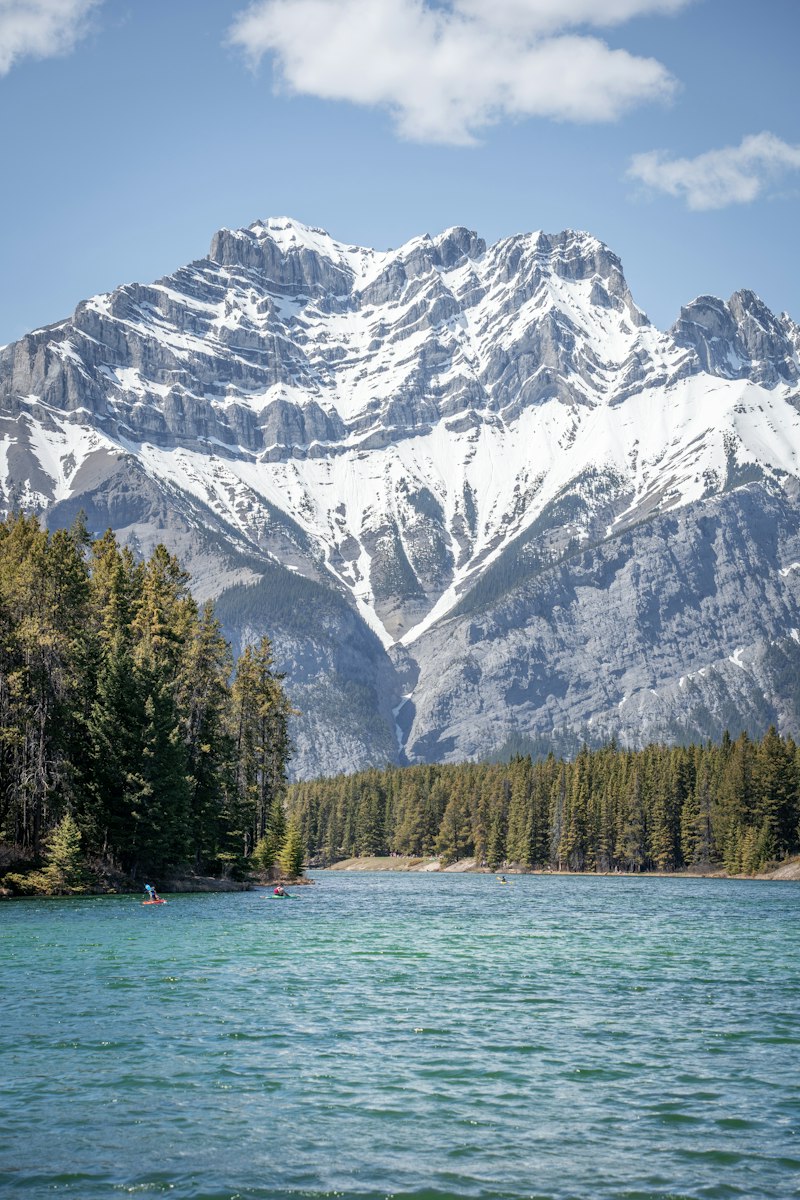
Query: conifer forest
[[130, 739], [128, 736], [661, 808]]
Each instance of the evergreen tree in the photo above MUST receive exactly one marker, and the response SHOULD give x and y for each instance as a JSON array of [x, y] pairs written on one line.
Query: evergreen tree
[[65, 866], [370, 823], [519, 843], [630, 848], [658, 807], [265, 854], [203, 699], [159, 791], [454, 834], [409, 829], [116, 707], [557, 826], [292, 852], [498, 830], [664, 828], [261, 732], [775, 792], [573, 845]]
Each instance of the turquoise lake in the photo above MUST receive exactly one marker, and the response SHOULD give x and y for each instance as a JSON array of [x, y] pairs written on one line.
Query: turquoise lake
[[406, 1035]]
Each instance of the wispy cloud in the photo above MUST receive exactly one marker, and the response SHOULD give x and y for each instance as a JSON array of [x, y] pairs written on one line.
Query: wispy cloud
[[718, 178], [446, 72], [40, 28]]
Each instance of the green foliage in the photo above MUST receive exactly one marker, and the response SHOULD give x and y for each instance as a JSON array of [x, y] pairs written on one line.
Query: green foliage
[[293, 851], [65, 869], [453, 840], [33, 884], [120, 730], [662, 808], [261, 731], [266, 852]]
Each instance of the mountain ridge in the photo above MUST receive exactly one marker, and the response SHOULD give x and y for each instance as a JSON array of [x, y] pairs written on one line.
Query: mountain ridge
[[416, 430]]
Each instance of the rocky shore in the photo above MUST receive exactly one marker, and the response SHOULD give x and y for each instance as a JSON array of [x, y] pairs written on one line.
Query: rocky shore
[[789, 870], [114, 883]]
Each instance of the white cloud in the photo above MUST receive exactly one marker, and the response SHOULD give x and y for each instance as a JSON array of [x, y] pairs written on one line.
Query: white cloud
[[40, 28], [732, 175], [549, 16], [447, 72]]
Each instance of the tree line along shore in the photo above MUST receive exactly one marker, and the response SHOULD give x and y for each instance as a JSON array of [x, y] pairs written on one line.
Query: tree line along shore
[[131, 745], [733, 807]]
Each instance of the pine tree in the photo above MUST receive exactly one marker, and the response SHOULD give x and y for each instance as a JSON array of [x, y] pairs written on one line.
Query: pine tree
[[261, 734], [557, 806], [496, 844], [292, 852], [775, 792], [370, 823], [409, 828], [733, 850], [573, 846], [697, 841], [750, 854], [663, 826], [65, 865], [519, 843], [116, 734], [159, 790], [203, 699], [630, 848], [264, 855], [115, 706], [454, 833], [435, 795]]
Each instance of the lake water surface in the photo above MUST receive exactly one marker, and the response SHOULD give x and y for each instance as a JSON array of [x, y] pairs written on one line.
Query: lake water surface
[[406, 1035]]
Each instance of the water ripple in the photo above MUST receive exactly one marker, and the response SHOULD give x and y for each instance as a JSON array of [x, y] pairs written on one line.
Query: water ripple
[[406, 1037]]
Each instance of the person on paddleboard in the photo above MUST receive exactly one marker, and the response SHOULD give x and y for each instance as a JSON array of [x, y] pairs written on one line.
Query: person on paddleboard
[[279, 890]]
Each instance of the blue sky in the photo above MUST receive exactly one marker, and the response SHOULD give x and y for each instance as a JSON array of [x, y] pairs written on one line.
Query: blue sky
[[130, 132]]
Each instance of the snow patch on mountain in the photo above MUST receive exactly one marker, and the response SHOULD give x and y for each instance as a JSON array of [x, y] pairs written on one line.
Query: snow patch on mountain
[[412, 412]]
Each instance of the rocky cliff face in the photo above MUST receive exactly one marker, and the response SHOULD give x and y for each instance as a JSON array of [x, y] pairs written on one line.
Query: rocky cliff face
[[476, 497]]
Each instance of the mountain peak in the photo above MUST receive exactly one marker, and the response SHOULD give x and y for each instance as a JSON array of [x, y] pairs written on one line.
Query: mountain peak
[[740, 338], [291, 234], [428, 448]]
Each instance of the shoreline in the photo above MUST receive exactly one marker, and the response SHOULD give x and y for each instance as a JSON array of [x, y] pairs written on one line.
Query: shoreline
[[185, 885], [787, 872]]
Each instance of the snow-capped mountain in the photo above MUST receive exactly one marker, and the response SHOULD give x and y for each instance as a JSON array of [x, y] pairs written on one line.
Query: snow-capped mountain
[[472, 492]]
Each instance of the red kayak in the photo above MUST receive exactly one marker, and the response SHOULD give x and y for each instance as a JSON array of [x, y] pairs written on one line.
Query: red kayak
[[154, 902]]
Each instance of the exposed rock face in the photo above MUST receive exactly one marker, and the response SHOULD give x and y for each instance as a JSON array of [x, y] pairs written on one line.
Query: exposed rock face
[[650, 635], [473, 494], [740, 340]]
